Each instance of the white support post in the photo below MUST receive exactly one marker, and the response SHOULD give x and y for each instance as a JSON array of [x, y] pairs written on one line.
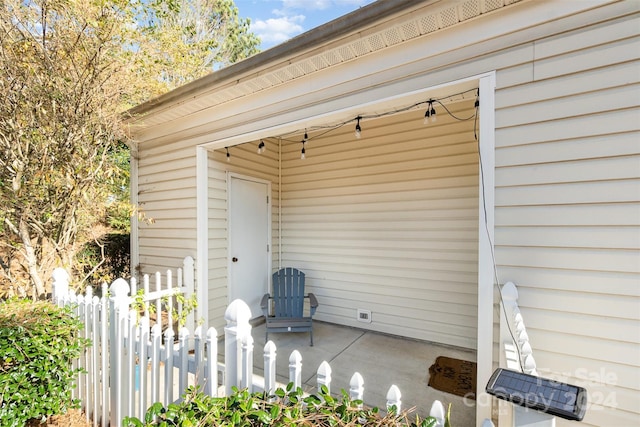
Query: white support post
[[237, 317], [202, 235], [295, 369], [486, 239]]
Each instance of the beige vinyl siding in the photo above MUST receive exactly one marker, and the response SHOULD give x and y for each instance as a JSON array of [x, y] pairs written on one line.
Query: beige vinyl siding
[[388, 223], [166, 195], [568, 209]]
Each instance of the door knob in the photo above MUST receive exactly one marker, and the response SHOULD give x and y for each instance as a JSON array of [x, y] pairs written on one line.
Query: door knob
[[234, 259]]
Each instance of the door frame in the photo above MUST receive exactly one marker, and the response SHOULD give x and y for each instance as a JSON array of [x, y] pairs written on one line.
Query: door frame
[[268, 267]]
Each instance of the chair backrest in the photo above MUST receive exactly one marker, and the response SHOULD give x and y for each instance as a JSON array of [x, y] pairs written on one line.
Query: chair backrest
[[288, 292]]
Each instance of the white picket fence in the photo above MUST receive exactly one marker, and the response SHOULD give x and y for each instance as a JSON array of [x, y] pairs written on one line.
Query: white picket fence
[[517, 354], [132, 365]]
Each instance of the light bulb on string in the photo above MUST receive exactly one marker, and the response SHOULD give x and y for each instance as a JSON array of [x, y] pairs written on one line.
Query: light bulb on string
[[427, 115], [228, 155], [261, 147], [302, 153], [358, 128], [430, 114]]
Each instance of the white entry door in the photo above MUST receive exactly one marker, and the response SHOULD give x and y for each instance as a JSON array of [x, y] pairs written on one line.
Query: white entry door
[[249, 240]]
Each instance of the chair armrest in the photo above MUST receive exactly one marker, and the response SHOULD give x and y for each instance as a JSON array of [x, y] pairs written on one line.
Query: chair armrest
[[313, 301], [264, 304]]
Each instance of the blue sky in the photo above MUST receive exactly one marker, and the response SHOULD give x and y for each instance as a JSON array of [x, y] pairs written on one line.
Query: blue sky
[[276, 21]]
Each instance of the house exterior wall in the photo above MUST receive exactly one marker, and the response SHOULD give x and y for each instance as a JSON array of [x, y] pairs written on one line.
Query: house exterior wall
[[388, 223], [567, 208], [566, 184], [167, 196]]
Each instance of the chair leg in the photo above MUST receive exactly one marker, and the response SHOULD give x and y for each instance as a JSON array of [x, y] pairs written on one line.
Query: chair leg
[[311, 336], [266, 337]]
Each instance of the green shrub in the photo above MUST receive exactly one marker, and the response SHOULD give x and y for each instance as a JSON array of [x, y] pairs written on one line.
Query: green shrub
[[283, 408], [38, 341]]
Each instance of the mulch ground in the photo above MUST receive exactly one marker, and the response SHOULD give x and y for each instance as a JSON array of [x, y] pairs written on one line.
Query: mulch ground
[[73, 418]]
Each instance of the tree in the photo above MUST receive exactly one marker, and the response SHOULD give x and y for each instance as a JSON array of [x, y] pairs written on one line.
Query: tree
[[68, 69], [179, 41]]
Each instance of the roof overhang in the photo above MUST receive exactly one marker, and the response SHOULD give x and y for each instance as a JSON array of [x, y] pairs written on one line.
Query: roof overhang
[[380, 25]]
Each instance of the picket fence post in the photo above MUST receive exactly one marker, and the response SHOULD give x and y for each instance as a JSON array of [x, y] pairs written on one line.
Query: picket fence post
[[60, 287], [118, 310], [324, 376], [211, 384], [269, 367], [356, 388], [437, 411], [238, 327], [295, 369], [188, 265], [393, 398], [516, 353]]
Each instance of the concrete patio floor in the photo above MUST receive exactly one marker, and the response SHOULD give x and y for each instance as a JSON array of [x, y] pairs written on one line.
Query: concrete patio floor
[[381, 359]]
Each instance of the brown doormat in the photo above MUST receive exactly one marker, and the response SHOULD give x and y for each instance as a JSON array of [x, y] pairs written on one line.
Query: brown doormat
[[453, 376]]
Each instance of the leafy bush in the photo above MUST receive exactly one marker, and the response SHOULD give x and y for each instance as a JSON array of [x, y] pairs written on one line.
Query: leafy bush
[[38, 341], [290, 407]]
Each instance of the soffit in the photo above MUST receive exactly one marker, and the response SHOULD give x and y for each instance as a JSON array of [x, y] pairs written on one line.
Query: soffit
[[404, 26]]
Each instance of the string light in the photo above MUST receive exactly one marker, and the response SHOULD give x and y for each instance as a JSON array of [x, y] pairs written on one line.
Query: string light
[[261, 147], [427, 114], [228, 155], [429, 117], [430, 114]]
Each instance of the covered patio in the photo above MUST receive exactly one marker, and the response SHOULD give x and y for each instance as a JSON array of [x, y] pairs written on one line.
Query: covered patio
[[415, 223], [376, 357]]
